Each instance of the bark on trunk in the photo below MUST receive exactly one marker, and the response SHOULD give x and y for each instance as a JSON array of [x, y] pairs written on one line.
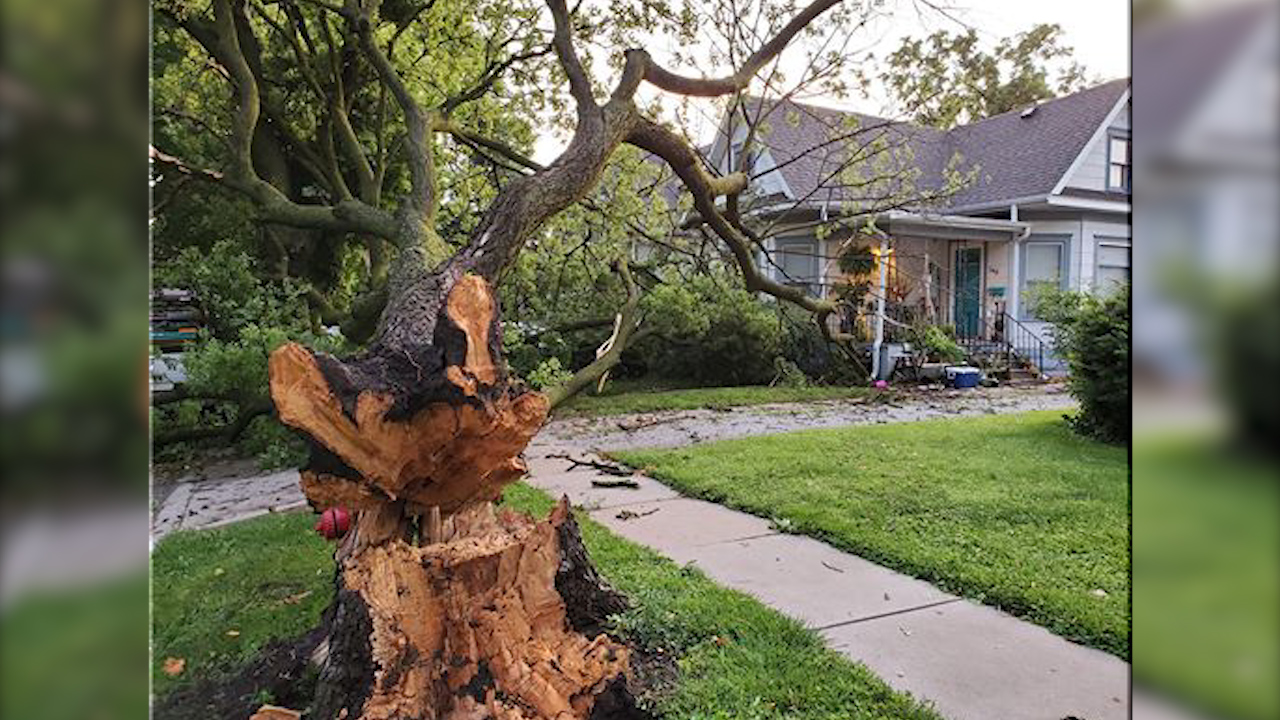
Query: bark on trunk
[[445, 607]]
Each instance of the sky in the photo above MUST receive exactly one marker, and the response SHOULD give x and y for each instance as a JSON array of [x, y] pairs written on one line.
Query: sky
[[1098, 30]]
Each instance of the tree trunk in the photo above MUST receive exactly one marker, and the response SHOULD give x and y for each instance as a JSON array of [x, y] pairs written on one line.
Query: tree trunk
[[445, 607]]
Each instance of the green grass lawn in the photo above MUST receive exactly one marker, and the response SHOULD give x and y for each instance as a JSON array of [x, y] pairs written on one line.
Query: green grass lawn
[[635, 396], [219, 595], [1014, 511], [1206, 575], [737, 658]]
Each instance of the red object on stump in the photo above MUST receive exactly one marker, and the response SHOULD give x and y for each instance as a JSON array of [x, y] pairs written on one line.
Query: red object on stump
[[334, 523]]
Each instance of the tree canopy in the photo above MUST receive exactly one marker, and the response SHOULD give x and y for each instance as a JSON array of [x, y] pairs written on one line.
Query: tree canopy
[[949, 79], [341, 158]]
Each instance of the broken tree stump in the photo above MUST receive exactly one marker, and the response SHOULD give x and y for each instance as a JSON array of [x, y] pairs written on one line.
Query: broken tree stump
[[477, 625], [445, 607]]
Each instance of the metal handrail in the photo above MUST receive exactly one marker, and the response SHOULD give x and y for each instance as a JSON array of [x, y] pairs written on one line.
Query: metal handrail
[[1023, 337], [1015, 339]]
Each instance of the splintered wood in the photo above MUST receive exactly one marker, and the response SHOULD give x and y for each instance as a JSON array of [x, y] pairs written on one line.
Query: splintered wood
[[446, 608], [446, 455], [493, 641], [471, 308]]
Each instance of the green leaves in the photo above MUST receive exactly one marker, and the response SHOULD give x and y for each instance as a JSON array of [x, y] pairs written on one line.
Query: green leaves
[[711, 333], [949, 79], [1093, 333]]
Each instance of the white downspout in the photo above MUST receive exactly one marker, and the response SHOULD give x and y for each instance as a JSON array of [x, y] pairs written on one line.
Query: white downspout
[[882, 290], [1015, 266]]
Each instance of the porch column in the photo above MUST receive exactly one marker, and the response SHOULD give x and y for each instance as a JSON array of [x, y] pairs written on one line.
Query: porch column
[[882, 290], [1015, 269]]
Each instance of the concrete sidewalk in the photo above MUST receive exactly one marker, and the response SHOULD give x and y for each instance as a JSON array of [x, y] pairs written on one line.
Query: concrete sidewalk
[[211, 503], [971, 661]]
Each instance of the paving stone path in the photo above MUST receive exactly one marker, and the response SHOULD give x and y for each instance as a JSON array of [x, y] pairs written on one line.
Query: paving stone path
[[210, 503]]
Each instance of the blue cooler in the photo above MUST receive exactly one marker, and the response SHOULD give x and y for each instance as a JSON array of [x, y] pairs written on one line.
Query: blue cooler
[[963, 376]]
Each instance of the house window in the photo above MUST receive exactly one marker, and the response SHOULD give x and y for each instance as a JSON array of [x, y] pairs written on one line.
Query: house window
[[1114, 264], [1044, 266], [735, 154], [797, 263], [1119, 163]]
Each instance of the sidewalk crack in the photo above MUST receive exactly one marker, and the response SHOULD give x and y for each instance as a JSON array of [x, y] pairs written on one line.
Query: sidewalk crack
[[891, 613]]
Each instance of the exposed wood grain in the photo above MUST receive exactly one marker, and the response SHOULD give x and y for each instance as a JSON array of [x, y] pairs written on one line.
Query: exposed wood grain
[[475, 627]]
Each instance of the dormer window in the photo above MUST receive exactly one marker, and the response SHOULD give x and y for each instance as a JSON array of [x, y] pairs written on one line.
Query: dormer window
[[1119, 163], [735, 155]]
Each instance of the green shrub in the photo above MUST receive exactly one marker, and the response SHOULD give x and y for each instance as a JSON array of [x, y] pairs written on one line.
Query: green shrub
[[936, 343], [788, 374], [247, 318], [548, 374], [273, 445], [821, 361], [711, 333], [229, 292], [1092, 333]]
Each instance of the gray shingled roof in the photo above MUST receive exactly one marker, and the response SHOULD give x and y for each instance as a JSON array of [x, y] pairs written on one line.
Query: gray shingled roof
[[1017, 156]]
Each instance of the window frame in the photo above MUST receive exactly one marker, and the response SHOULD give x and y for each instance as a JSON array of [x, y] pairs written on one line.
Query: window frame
[[1110, 241], [1063, 241], [779, 272], [1127, 185], [736, 150]]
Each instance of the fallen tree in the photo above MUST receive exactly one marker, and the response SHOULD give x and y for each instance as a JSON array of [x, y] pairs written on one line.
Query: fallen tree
[[446, 606]]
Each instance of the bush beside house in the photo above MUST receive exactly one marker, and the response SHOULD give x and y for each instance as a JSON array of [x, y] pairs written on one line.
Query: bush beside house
[[1092, 333]]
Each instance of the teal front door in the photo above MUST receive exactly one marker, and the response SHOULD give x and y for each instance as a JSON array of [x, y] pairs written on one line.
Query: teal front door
[[968, 292]]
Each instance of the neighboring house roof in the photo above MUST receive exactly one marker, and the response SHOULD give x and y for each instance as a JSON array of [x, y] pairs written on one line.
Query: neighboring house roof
[[1018, 154]]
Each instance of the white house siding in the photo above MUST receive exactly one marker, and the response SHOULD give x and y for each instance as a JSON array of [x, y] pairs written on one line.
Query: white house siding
[[1091, 174], [1069, 229], [827, 250], [1083, 234]]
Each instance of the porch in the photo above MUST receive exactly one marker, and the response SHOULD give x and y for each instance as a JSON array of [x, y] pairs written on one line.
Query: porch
[[957, 272]]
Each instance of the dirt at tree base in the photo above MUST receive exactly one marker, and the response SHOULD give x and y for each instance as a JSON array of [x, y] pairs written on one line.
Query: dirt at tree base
[[282, 670]]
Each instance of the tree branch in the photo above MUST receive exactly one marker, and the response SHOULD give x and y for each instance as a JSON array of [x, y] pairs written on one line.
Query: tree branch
[[421, 164], [712, 87], [627, 323], [487, 79], [497, 146], [684, 161], [579, 81]]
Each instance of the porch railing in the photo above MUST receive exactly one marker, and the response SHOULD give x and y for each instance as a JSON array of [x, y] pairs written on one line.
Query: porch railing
[[1023, 343], [1009, 338]]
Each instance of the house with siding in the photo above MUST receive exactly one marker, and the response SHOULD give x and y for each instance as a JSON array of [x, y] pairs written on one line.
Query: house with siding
[[988, 211]]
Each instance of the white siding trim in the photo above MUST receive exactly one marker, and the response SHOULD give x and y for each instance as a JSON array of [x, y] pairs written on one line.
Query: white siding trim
[[1113, 206], [1098, 133]]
